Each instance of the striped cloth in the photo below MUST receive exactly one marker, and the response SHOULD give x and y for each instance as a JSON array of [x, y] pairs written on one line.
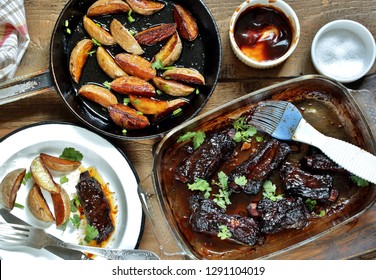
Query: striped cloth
[[14, 37]]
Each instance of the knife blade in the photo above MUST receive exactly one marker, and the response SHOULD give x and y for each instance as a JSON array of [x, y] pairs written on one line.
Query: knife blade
[[66, 254]]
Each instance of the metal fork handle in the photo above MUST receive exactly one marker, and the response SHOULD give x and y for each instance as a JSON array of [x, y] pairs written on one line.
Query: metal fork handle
[[111, 254], [354, 159]]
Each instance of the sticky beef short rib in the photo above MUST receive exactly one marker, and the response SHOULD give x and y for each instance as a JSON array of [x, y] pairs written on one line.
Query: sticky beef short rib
[[321, 162], [298, 182], [284, 213], [95, 205], [207, 217], [258, 167], [205, 160]]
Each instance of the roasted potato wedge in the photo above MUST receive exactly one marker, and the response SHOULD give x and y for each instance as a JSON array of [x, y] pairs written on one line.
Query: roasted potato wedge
[[42, 176], [127, 117], [155, 34], [133, 86], [135, 65], [124, 38], [185, 75], [9, 187], [172, 87], [171, 51], [172, 106], [107, 63], [98, 94], [59, 164], [148, 106], [186, 23], [38, 205], [145, 7], [62, 206], [78, 58], [97, 32], [107, 7]]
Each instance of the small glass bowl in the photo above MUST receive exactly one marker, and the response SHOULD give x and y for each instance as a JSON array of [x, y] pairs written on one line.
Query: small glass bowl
[[280, 7], [343, 50]]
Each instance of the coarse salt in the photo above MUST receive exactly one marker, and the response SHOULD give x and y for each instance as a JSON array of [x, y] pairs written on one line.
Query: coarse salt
[[341, 53]]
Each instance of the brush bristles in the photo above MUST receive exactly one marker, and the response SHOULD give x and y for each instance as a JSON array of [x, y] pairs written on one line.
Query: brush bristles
[[268, 114]]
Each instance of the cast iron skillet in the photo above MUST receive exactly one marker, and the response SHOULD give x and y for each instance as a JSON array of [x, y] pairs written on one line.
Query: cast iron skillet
[[204, 54]]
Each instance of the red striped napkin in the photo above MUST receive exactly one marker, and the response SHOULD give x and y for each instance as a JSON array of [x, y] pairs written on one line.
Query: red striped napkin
[[14, 37]]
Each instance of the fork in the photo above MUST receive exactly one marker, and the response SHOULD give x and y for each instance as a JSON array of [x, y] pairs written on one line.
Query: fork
[[282, 120], [19, 235]]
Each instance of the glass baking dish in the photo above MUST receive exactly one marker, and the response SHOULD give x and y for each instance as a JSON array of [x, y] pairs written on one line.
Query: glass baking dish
[[329, 106]]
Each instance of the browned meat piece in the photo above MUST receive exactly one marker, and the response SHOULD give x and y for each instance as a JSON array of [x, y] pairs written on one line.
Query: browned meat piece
[[259, 166], [301, 183], [95, 205], [207, 217], [285, 213], [205, 160], [321, 162]]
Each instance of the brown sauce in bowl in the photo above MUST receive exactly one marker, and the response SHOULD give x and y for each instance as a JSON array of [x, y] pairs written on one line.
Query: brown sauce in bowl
[[263, 34]]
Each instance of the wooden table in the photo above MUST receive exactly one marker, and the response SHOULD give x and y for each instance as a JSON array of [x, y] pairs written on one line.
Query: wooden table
[[354, 240]]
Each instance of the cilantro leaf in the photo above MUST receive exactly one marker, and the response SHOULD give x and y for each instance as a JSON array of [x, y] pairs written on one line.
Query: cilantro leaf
[[75, 220], [243, 131], [71, 154], [222, 198], [269, 191], [241, 181], [359, 181], [197, 137], [224, 232], [91, 233], [201, 185]]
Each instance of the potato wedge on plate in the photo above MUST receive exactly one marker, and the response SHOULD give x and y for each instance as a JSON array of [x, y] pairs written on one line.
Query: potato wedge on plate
[[9, 187], [185, 75], [186, 23], [148, 106], [42, 176], [155, 34], [59, 164], [133, 86], [135, 65], [173, 105], [38, 205], [62, 206]]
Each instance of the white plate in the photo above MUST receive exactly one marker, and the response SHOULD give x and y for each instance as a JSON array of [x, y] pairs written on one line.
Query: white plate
[[18, 149]]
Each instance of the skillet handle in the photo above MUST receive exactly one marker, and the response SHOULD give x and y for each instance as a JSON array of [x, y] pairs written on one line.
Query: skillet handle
[[25, 86]]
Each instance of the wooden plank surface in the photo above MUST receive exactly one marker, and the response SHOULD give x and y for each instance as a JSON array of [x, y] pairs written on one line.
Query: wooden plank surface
[[354, 240]]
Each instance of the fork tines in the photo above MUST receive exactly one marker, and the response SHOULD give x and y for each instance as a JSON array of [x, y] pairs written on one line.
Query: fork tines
[[13, 234], [268, 115]]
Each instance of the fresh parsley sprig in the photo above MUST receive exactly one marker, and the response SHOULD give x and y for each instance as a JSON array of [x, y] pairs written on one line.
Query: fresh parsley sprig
[[201, 185], [224, 232], [269, 191], [197, 137], [222, 198], [243, 131]]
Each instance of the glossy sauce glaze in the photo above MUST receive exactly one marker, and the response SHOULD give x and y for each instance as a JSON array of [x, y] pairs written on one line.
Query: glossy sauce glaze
[[263, 34]]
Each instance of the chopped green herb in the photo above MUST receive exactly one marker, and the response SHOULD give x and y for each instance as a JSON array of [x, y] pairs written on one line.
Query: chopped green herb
[[139, 113], [130, 18], [91, 233], [71, 154], [20, 206], [198, 138], [310, 203], [63, 179], [132, 32], [222, 199], [178, 111], [159, 92], [26, 178], [241, 181], [107, 84], [137, 101], [75, 220], [124, 131], [96, 42], [259, 138], [269, 191], [224, 232], [157, 64], [244, 131], [68, 31], [197, 91], [360, 182], [201, 185], [66, 23], [91, 53], [322, 213], [75, 202], [126, 101]]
